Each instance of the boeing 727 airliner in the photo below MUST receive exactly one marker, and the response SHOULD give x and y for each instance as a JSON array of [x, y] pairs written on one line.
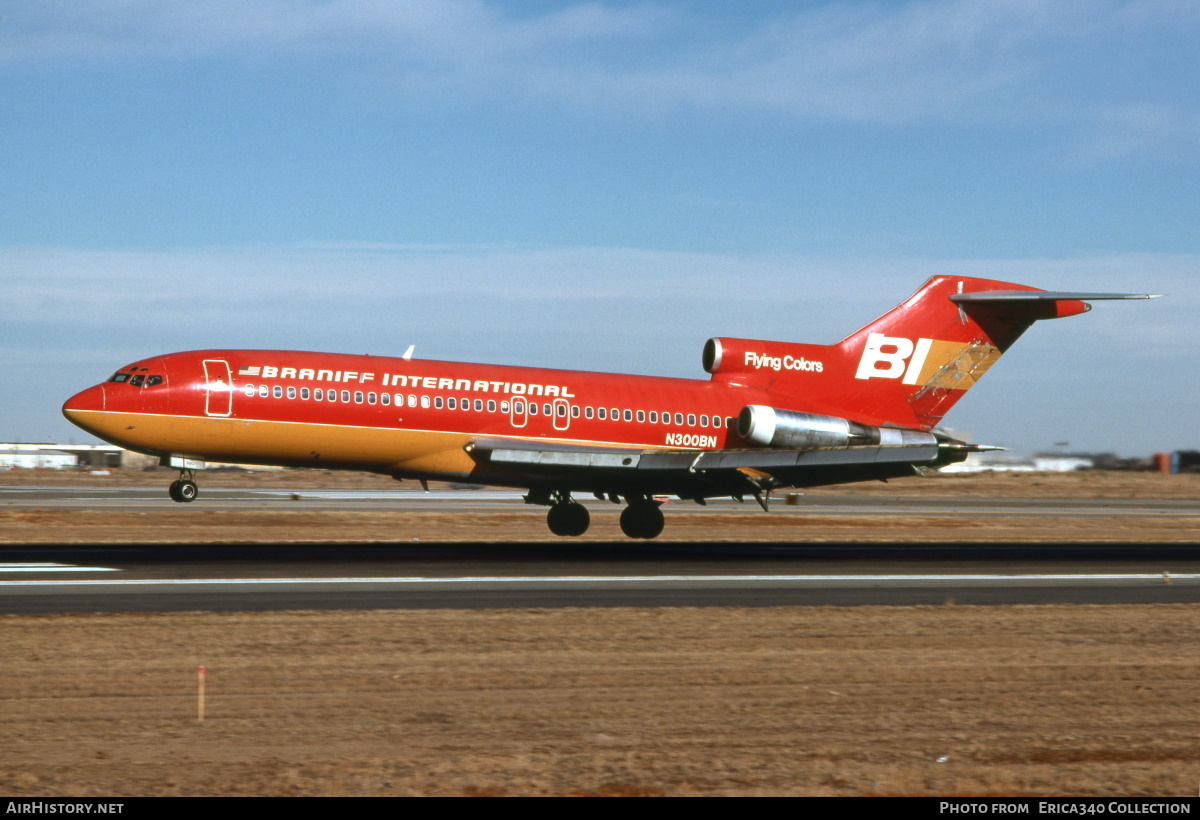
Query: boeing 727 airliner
[[772, 415]]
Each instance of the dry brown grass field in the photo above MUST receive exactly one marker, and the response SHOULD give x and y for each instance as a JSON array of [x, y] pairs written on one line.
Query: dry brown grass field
[[443, 522], [946, 700]]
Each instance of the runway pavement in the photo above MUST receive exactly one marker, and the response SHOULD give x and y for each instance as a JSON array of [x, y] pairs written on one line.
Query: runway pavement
[[287, 577], [140, 577], [141, 499]]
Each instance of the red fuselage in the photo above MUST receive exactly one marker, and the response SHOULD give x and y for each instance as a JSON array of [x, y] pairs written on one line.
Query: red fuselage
[[402, 417]]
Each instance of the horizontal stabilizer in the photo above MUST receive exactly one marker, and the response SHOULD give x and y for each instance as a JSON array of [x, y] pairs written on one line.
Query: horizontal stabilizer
[[1043, 296]]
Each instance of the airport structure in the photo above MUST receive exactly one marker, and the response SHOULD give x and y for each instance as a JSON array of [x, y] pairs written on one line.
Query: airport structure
[[23, 455]]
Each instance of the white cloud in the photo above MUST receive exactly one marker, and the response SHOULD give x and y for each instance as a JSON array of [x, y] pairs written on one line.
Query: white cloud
[[958, 60], [310, 288]]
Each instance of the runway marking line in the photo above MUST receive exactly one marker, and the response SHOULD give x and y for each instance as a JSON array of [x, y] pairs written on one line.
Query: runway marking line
[[611, 579], [34, 566]]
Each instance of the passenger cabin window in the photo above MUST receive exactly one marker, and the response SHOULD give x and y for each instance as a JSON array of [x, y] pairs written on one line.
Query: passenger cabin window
[[291, 393]]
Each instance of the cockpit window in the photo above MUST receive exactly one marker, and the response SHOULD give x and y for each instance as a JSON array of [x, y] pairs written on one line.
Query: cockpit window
[[136, 379]]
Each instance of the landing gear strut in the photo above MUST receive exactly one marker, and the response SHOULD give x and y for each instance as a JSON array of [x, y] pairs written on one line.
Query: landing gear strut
[[642, 518], [567, 517], [184, 489]]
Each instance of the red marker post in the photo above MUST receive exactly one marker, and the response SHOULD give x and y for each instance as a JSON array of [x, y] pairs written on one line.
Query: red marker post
[[200, 702]]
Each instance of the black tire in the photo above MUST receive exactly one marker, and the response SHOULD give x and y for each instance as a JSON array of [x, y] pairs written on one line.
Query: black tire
[[568, 519], [642, 520], [188, 491], [173, 491]]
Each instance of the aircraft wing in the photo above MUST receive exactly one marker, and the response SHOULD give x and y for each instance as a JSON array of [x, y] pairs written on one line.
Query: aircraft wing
[[700, 473]]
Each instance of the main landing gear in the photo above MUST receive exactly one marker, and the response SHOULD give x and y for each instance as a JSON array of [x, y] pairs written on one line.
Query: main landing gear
[[567, 517], [642, 518], [184, 489]]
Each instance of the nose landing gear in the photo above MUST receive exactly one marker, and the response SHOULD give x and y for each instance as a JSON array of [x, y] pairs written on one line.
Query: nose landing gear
[[184, 489]]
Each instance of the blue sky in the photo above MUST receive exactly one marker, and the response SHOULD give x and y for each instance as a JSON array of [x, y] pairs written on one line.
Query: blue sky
[[601, 186]]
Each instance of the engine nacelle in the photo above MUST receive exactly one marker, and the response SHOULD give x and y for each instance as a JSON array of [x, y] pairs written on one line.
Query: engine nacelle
[[769, 427], [729, 358]]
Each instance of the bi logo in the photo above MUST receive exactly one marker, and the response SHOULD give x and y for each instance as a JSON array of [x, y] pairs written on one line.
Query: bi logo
[[893, 357]]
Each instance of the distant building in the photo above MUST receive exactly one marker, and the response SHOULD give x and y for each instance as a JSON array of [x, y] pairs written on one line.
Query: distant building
[[17, 459], [1010, 462], [20, 455]]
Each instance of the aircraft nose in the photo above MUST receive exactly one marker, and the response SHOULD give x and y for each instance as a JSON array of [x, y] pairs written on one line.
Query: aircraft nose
[[83, 402]]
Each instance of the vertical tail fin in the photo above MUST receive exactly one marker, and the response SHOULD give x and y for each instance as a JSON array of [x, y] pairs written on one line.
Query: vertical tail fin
[[908, 367]]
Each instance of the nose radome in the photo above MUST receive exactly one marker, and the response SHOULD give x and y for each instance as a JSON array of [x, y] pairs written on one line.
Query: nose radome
[[85, 401]]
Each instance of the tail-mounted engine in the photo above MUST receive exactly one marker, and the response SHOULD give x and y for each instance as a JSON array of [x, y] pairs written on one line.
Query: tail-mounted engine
[[768, 427], [730, 359]]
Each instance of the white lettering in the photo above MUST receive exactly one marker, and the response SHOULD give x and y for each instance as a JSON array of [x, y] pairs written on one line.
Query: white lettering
[[777, 363], [690, 440], [890, 351]]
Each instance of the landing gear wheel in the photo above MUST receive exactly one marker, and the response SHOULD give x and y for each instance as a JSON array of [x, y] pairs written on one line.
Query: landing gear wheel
[[183, 490], [568, 519], [642, 519]]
